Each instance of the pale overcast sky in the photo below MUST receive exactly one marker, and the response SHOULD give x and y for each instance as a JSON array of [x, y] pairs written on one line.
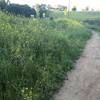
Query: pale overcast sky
[[81, 4]]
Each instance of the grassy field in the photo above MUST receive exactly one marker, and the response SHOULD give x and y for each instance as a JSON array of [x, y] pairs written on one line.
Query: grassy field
[[80, 16], [36, 54], [89, 19]]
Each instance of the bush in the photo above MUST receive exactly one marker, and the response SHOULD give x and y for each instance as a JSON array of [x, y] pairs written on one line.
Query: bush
[[43, 10], [17, 9], [74, 9], [93, 24], [21, 10], [2, 5]]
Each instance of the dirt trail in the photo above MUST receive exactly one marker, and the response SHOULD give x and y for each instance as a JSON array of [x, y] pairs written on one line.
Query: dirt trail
[[84, 81]]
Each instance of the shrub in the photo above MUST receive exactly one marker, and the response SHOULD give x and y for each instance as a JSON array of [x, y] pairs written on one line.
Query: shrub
[[21, 10], [2, 5]]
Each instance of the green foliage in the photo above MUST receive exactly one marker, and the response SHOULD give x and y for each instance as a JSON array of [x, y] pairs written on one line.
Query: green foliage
[[83, 15], [17, 9], [93, 24], [74, 8], [43, 11], [24, 10], [79, 15], [36, 54], [90, 19], [2, 4]]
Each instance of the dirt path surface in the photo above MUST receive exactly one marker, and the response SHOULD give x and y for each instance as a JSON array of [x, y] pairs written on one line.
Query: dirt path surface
[[84, 81]]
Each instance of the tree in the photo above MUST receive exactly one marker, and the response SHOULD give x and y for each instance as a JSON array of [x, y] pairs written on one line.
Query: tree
[[24, 10], [74, 8], [2, 4], [87, 8], [6, 1], [92, 9], [43, 11]]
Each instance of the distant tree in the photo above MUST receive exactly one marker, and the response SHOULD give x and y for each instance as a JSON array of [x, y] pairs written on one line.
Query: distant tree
[[74, 8], [24, 10], [87, 8], [43, 11], [6, 1], [49, 6], [92, 9], [37, 7], [2, 4]]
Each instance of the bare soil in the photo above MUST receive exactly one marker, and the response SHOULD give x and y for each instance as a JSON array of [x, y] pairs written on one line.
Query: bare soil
[[84, 81]]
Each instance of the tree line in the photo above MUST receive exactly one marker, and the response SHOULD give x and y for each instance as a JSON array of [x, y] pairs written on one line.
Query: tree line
[[23, 10]]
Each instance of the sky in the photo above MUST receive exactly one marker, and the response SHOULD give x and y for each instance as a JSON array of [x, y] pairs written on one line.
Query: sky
[[80, 4]]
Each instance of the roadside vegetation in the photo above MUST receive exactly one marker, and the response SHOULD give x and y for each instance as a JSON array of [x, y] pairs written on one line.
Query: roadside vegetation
[[90, 19], [35, 55], [93, 24]]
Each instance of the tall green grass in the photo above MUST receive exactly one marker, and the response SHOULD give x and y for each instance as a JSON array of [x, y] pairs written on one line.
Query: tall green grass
[[36, 54]]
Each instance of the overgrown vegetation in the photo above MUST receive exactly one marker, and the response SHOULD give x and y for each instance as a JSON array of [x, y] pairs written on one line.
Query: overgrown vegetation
[[79, 15], [40, 11], [90, 19], [84, 15], [93, 24], [23, 10], [36, 54]]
